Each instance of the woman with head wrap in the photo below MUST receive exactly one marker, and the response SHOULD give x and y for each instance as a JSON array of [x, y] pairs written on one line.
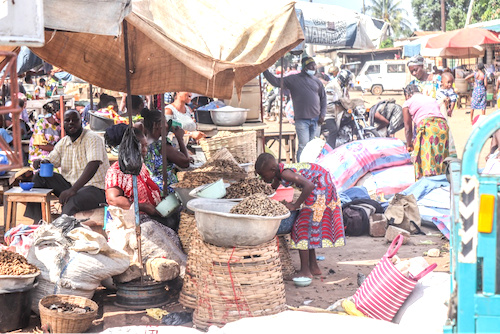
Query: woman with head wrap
[[428, 83], [430, 146], [479, 93]]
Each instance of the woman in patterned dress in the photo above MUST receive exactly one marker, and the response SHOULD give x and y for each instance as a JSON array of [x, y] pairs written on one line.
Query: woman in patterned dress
[[319, 223], [428, 83], [479, 93], [430, 146], [46, 133], [153, 158]]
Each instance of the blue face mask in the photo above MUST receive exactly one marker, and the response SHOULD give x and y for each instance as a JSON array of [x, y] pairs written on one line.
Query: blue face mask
[[311, 72]]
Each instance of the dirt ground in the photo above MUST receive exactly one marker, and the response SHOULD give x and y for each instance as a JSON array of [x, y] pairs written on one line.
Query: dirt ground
[[340, 266]]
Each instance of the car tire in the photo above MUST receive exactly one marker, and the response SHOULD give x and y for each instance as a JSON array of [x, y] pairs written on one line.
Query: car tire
[[377, 90]]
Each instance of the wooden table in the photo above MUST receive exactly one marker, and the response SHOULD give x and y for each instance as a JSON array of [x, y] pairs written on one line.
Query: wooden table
[[35, 195], [258, 127], [289, 141]]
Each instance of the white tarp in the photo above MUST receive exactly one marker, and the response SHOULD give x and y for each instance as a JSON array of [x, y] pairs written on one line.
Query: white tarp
[[340, 27]]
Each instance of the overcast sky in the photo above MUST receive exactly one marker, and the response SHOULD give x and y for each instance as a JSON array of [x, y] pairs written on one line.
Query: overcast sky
[[357, 5]]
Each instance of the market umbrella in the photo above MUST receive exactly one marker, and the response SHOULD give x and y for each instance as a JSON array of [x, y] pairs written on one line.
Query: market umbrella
[[203, 46], [463, 38]]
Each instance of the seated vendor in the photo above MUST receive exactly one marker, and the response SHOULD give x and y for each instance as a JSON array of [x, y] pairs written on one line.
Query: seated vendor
[[153, 159], [119, 189], [81, 157], [46, 134]]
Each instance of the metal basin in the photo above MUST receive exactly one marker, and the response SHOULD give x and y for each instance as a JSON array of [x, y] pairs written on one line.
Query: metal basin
[[228, 116], [219, 227], [183, 195]]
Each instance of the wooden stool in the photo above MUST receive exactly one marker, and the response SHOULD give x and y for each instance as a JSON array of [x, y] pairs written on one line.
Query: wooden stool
[[35, 195], [289, 140]]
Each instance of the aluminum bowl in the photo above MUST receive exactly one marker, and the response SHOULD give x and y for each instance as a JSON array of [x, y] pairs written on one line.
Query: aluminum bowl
[[229, 116], [219, 227]]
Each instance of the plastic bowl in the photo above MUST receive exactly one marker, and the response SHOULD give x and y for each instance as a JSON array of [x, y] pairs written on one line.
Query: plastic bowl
[[183, 194], [26, 185], [284, 193], [302, 281], [214, 190], [168, 205], [219, 227]]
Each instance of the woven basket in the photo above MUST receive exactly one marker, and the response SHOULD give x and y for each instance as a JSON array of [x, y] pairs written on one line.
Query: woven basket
[[242, 145], [66, 322], [187, 297], [187, 225], [286, 259], [237, 283]]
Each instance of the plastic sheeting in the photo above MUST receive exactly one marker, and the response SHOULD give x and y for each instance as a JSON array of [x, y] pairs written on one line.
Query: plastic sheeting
[[340, 27], [418, 47]]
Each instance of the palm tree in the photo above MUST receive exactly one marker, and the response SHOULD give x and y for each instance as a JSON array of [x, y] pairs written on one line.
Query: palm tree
[[390, 11]]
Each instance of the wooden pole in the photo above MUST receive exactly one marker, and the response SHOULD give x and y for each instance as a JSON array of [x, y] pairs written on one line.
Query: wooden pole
[[281, 110], [163, 144]]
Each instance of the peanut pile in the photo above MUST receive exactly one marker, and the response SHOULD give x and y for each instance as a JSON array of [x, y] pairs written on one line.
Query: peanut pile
[[221, 166], [248, 187], [14, 264], [194, 179], [260, 205]]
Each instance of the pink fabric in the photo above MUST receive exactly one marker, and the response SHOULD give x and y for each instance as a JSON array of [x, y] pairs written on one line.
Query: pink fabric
[[421, 107]]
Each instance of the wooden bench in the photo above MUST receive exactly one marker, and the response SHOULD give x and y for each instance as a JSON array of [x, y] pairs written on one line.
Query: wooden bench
[[35, 195], [289, 143]]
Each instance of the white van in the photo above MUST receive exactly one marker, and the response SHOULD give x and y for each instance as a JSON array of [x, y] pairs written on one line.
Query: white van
[[378, 76]]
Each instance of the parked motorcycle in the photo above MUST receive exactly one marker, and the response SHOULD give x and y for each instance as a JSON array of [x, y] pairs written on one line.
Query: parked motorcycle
[[345, 121]]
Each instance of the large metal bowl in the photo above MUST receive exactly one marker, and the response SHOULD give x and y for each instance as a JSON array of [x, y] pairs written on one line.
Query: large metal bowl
[[219, 227], [229, 117]]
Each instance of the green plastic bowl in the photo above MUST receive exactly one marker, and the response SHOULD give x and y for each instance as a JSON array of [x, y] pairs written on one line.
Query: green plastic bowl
[[214, 190], [168, 205], [302, 281]]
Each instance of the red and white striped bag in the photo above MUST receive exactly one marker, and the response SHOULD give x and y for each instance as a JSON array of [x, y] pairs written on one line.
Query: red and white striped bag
[[386, 288]]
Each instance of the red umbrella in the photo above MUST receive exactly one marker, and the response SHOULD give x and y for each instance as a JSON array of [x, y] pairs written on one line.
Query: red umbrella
[[463, 38]]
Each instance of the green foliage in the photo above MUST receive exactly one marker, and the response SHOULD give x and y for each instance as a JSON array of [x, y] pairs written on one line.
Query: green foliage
[[428, 13], [387, 43], [392, 12]]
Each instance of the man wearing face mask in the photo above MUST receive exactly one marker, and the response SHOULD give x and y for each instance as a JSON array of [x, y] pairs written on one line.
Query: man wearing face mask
[[308, 98]]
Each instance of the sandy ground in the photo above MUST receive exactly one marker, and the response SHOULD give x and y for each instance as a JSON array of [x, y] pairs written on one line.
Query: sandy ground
[[340, 266]]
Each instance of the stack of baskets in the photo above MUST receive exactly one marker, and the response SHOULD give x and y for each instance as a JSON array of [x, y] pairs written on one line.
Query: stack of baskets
[[238, 282], [187, 225], [286, 259], [242, 145], [61, 322], [189, 291]]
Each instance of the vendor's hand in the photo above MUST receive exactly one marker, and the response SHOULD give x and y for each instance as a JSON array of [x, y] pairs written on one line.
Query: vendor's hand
[[178, 132], [291, 206], [36, 163], [66, 195], [409, 148], [197, 135], [149, 209], [321, 119], [450, 112]]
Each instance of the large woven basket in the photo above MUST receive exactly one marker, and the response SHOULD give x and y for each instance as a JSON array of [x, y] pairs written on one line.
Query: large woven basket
[[187, 297], [66, 322], [187, 228], [286, 259], [242, 145], [237, 283]]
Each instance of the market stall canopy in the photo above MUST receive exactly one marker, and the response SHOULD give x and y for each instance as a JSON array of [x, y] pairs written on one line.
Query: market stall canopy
[[339, 27], [205, 47], [418, 46], [463, 38], [493, 25]]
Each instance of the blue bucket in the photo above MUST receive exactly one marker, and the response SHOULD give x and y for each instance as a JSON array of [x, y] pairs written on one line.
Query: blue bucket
[[287, 223], [46, 170], [3, 161]]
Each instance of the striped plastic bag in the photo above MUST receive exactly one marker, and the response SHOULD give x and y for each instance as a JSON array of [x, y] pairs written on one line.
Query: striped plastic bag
[[386, 288]]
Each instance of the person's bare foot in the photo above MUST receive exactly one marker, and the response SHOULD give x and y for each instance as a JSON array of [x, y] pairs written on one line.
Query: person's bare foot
[[303, 274], [315, 269]]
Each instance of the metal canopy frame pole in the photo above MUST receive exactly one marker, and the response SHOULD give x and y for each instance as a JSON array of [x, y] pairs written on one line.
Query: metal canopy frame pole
[[281, 109], [134, 177], [163, 143]]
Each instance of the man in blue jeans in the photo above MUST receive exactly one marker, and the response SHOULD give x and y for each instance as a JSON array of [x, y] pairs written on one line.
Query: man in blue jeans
[[308, 98]]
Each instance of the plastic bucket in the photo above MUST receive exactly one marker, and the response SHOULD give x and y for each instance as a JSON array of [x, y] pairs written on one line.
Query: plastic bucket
[[15, 309], [284, 193], [46, 170], [168, 205]]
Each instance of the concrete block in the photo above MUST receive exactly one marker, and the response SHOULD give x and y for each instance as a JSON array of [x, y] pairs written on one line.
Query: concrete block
[[161, 269], [378, 225], [392, 232]]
